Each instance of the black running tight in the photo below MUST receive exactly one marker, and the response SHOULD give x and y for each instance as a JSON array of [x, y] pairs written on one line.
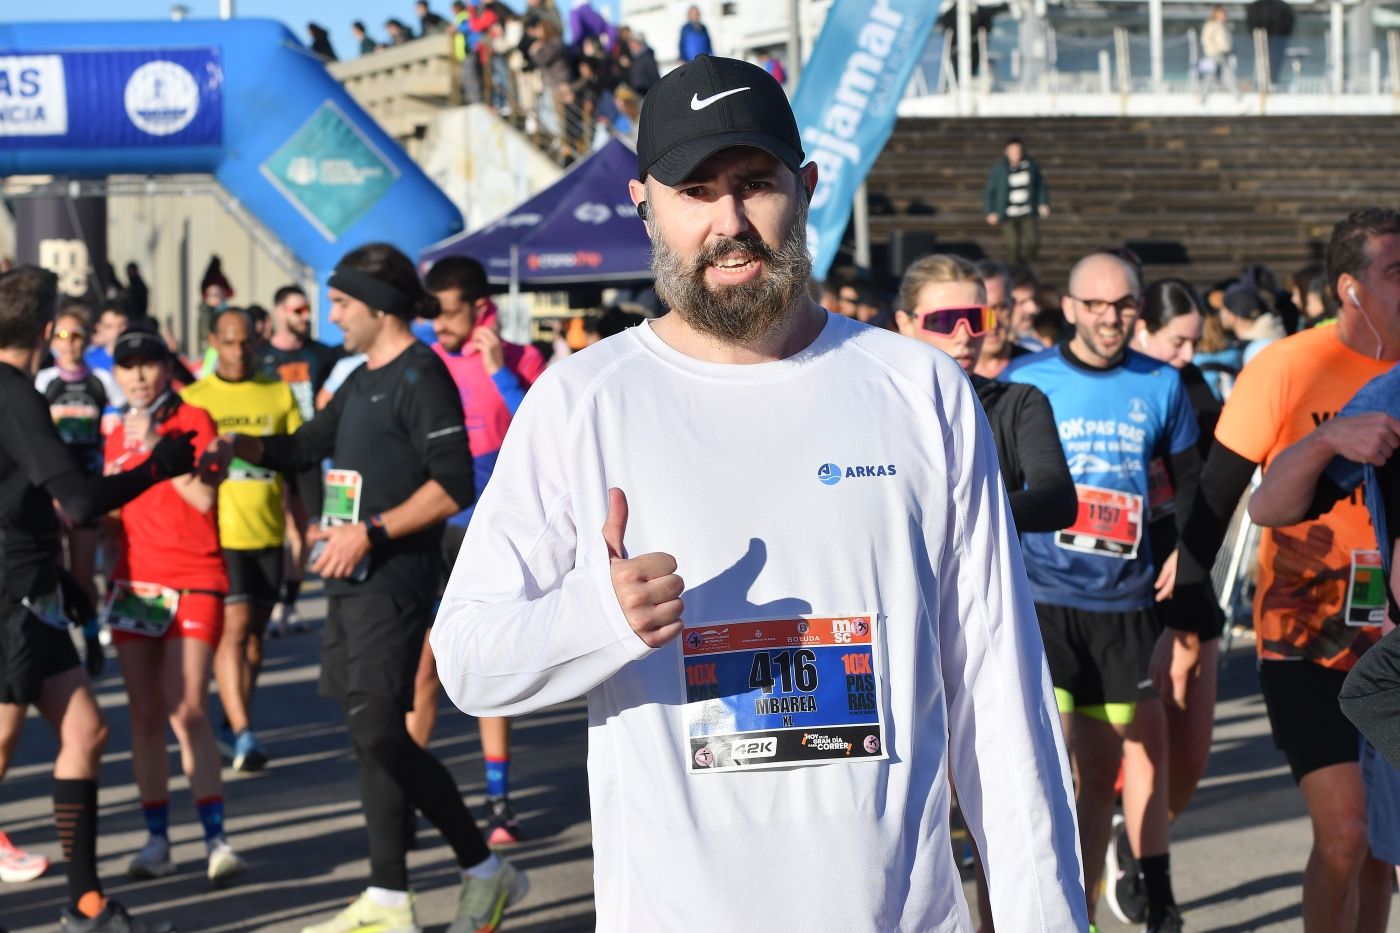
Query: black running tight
[[394, 773]]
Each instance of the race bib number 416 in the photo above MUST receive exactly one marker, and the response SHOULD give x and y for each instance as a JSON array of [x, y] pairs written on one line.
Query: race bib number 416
[[773, 693]]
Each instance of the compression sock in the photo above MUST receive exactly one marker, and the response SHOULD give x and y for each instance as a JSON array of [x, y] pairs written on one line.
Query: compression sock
[[291, 589], [497, 777], [211, 817], [157, 814], [75, 812], [1157, 878]]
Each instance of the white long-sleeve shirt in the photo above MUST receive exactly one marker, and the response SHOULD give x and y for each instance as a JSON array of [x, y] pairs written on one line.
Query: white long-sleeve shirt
[[858, 476]]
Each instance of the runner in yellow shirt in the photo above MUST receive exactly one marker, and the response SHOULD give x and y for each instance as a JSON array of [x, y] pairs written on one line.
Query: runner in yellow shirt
[[251, 523]]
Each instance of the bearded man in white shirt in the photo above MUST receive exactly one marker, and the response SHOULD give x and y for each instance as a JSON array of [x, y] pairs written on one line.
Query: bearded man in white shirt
[[770, 738]]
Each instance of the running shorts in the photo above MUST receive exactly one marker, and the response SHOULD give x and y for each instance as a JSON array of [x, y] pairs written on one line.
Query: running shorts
[[31, 651], [198, 615], [1306, 719], [372, 645], [254, 575], [1382, 781], [1098, 658]]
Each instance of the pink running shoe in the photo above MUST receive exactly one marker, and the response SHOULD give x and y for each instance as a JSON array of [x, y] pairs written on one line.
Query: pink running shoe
[[17, 865]]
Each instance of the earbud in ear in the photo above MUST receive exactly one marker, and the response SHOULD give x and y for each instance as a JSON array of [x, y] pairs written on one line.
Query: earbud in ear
[[1352, 292], [642, 209]]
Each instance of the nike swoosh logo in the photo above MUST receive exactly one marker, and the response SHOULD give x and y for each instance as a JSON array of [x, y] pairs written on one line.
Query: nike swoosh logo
[[375, 398], [697, 104]]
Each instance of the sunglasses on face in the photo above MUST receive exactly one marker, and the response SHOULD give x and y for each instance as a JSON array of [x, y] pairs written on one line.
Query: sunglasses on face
[[304, 309], [68, 333], [977, 318]]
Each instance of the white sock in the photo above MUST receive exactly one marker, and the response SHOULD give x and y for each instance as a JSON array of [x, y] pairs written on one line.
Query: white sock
[[386, 898], [484, 869]]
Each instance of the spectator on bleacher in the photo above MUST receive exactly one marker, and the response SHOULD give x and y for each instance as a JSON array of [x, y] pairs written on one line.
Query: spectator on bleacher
[[546, 52], [1250, 319], [695, 38], [1217, 48], [366, 44], [320, 41], [587, 23], [1275, 17], [397, 32], [774, 66], [502, 37], [428, 21], [473, 23], [1015, 199], [536, 10], [642, 71]]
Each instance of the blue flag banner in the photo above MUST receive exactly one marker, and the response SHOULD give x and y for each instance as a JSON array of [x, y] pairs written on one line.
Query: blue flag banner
[[845, 103]]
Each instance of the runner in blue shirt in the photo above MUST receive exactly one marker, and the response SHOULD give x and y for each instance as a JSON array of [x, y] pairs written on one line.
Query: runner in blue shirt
[[1096, 583]]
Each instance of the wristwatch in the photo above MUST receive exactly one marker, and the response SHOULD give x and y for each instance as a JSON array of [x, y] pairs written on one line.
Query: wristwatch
[[378, 534]]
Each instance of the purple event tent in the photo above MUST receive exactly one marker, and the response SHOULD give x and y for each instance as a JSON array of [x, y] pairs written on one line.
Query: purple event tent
[[582, 230]]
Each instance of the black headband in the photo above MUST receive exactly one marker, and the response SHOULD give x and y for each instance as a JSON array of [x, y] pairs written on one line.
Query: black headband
[[377, 294]]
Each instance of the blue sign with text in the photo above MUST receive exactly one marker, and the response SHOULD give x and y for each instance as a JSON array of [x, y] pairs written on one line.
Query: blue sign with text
[[108, 99]]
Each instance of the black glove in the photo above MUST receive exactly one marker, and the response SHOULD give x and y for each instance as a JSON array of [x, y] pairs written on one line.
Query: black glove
[[173, 456]]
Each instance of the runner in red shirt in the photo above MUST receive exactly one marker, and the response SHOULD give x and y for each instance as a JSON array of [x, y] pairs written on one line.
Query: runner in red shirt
[[166, 607]]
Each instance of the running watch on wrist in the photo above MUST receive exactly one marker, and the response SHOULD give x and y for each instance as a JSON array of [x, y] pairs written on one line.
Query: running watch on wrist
[[378, 534]]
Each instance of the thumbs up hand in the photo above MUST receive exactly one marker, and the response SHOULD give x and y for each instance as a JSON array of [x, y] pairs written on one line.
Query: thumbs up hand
[[647, 587]]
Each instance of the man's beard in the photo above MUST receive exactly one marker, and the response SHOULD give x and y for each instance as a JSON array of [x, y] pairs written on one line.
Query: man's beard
[[737, 315]]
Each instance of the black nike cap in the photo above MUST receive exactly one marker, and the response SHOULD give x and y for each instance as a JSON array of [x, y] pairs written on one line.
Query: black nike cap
[[711, 104]]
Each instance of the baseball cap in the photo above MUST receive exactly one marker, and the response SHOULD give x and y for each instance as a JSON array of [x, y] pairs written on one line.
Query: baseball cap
[[139, 343], [711, 104]]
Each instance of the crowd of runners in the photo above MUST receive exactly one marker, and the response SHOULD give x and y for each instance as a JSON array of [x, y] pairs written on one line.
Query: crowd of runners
[[1002, 534]]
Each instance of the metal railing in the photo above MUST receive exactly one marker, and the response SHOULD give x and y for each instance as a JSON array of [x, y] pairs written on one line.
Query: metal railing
[[1120, 65]]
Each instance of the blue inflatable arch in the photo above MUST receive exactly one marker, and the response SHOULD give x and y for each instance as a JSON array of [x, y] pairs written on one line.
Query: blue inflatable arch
[[241, 100]]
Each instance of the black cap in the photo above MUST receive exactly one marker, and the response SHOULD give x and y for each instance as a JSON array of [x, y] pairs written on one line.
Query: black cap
[[711, 104], [139, 343]]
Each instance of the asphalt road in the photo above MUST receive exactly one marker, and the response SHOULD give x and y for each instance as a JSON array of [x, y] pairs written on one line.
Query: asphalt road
[[1238, 853]]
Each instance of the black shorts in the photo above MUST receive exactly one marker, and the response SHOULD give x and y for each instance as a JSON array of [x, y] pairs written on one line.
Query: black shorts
[[31, 651], [1099, 657], [452, 536], [1306, 719], [254, 576], [371, 646]]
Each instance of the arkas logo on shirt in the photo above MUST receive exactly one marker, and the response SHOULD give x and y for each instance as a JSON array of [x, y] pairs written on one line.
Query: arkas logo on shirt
[[829, 474]]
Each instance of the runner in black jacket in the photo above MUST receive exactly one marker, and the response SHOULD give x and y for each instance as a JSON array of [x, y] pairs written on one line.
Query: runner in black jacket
[[38, 663]]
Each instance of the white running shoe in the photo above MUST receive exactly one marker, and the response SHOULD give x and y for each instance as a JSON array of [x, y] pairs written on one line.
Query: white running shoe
[[17, 865], [365, 915], [153, 861], [224, 863]]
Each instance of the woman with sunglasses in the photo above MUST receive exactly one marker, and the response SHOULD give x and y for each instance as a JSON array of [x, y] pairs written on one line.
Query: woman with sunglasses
[[943, 302]]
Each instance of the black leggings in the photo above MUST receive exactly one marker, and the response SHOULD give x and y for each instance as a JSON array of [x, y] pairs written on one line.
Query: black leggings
[[395, 772]]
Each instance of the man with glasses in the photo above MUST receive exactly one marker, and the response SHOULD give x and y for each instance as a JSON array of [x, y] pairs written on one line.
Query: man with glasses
[[1095, 583], [303, 364]]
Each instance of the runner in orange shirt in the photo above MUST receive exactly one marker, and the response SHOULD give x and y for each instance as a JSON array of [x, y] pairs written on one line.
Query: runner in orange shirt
[[1306, 642]]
